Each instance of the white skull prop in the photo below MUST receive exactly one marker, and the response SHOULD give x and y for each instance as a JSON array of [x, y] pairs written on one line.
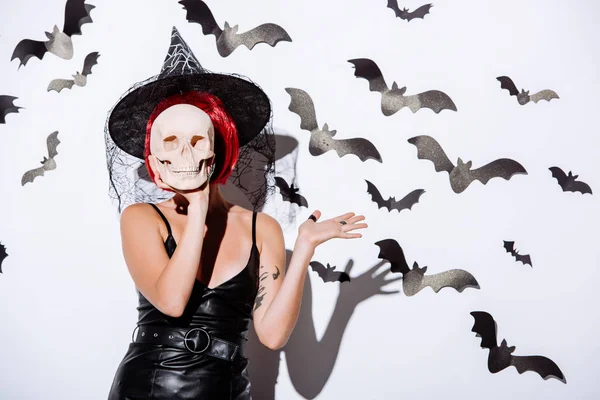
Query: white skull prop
[[181, 146]]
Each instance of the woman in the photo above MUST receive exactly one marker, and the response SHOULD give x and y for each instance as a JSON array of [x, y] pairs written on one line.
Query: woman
[[204, 267]]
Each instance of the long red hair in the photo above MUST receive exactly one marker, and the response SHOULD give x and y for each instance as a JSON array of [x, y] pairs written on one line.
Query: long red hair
[[226, 143]]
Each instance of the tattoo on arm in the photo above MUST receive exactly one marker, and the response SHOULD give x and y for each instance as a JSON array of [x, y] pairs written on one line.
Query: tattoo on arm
[[260, 296]]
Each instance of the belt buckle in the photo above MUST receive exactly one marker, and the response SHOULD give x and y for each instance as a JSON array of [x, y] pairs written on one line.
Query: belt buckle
[[185, 340]]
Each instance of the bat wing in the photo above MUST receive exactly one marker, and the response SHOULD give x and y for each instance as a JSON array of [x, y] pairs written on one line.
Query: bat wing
[[578, 186], [419, 12], [270, 34], [302, 105], [360, 147], [197, 11], [77, 13], [284, 188], [3, 255], [7, 106], [455, 278], [409, 200], [376, 196], [544, 366], [485, 327], [546, 94], [90, 60], [28, 48], [300, 200], [524, 258], [433, 99], [560, 176], [390, 250], [52, 143], [501, 168], [30, 175], [60, 84], [507, 83], [429, 149], [367, 69], [393, 4]]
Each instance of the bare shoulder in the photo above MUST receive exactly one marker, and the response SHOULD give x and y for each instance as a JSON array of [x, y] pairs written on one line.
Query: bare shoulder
[[137, 214]]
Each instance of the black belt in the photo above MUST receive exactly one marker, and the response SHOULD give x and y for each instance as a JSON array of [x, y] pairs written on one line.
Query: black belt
[[195, 340]]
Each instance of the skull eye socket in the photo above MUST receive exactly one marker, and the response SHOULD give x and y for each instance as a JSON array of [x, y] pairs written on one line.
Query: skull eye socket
[[171, 142], [196, 140]]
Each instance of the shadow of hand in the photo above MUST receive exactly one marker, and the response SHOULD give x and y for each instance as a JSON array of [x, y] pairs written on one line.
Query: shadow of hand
[[365, 285]]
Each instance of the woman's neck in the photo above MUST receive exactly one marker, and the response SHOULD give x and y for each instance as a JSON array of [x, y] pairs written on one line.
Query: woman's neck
[[216, 202]]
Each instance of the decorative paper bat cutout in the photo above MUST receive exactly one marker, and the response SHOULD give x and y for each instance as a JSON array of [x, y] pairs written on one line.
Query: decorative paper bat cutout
[[328, 273], [7, 107], [321, 140], [227, 38], [48, 164], [523, 97], [569, 183], [59, 42], [79, 79], [501, 357], [393, 100], [408, 16], [461, 175], [510, 248], [391, 203], [3, 255], [289, 193], [414, 280]]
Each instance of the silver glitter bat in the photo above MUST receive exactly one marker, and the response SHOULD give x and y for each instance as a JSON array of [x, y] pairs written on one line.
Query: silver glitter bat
[[79, 79], [48, 163], [523, 97]]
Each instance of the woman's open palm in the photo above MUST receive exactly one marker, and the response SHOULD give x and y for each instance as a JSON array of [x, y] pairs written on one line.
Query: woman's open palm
[[341, 227]]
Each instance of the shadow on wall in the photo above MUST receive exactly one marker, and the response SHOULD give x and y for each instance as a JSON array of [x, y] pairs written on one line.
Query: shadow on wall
[[310, 361]]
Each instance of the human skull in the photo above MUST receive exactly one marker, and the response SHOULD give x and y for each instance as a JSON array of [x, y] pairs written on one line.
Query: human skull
[[181, 146]]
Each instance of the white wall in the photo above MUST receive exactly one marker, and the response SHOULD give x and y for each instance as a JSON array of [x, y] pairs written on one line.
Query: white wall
[[68, 303]]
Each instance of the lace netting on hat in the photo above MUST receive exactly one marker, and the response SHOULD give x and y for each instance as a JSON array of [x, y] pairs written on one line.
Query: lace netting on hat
[[129, 181]]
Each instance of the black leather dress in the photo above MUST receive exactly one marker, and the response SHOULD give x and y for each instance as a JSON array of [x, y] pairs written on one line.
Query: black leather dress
[[156, 371]]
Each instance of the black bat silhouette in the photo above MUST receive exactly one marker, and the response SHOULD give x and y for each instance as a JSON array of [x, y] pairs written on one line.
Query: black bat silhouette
[[328, 273], [510, 248], [227, 38], [500, 357], [48, 164], [408, 16], [569, 183], [393, 100], [414, 280], [461, 175], [7, 107], [321, 140], [3, 255], [391, 203], [289, 192], [79, 79], [59, 42], [523, 97]]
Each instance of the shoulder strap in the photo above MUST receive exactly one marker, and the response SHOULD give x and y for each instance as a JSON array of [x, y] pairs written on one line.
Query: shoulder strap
[[254, 227], [163, 217]]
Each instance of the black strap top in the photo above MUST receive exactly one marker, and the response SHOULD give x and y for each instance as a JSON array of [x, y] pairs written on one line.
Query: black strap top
[[225, 309]]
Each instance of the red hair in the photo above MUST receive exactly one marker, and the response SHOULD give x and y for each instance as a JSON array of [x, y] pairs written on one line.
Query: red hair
[[226, 142]]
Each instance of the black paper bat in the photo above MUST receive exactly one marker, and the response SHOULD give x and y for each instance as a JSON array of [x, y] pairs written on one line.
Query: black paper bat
[[48, 164], [59, 42], [79, 79], [510, 248], [414, 280], [321, 140], [501, 357], [393, 100], [3, 255], [7, 107], [461, 175], [227, 38], [569, 183], [523, 96], [328, 273], [289, 192], [420, 12], [391, 203]]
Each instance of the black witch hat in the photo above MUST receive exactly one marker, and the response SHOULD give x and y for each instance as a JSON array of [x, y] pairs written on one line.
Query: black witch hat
[[125, 130]]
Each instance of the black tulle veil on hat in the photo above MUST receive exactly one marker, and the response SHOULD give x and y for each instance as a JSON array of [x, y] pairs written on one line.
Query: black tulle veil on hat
[[125, 129]]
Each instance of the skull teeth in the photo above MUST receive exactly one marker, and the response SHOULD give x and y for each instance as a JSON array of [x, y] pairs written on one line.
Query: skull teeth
[[188, 170]]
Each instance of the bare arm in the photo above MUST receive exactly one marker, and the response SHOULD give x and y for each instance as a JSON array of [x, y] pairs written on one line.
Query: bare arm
[[166, 283], [278, 301]]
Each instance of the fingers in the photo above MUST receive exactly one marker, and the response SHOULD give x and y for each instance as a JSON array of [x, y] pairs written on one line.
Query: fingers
[[316, 214], [343, 217]]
